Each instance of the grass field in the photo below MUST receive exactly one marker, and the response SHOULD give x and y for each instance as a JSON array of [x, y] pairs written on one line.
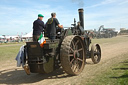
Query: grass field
[[113, 40], [9, 51], [11, 43], [115, 75]]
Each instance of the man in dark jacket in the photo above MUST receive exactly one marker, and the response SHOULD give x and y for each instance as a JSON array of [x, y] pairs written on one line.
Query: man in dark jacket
[[51, 26], [38, 26]]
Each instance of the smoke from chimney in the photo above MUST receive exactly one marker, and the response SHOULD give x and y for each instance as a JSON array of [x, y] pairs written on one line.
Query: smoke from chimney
[[79, 2]]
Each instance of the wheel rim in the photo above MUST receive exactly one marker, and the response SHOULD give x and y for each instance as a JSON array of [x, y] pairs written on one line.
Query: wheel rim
[[96, 53], [76, 55]]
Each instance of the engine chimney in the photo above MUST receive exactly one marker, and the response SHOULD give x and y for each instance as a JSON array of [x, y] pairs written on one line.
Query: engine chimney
[[81, 17]]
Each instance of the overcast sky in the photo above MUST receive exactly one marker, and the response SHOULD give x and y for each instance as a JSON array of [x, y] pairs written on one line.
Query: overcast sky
[[17, 16]]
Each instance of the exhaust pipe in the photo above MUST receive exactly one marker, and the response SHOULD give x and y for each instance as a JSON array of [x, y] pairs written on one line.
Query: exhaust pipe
[[81, 17]]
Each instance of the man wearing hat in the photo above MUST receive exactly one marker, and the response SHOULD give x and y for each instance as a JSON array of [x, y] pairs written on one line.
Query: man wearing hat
[[51, 26], [38, 26]]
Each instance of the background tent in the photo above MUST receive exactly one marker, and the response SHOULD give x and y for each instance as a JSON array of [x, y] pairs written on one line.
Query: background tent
[[1, 36], [27, 35]]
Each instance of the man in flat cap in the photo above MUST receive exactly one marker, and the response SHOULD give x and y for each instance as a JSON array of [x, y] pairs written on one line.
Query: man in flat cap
[[51, 26], [38, 26]]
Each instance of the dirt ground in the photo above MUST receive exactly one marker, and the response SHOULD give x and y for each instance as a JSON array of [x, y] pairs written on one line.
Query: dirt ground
[[111, 54]]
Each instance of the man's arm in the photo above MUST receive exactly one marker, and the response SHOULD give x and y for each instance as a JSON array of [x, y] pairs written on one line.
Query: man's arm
[[33, 24], [43, 26], [58, 24], [41, 23]]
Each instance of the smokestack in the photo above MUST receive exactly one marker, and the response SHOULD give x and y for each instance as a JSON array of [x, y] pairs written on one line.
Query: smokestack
[[81, 17]]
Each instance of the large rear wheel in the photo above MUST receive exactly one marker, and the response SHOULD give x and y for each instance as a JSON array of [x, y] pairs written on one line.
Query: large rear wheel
[[72, 55]]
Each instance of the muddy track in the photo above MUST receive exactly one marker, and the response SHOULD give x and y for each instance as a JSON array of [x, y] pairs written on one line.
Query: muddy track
[[111, 54]]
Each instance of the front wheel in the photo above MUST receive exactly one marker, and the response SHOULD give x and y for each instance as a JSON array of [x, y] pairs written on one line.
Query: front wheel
[[96, 53]]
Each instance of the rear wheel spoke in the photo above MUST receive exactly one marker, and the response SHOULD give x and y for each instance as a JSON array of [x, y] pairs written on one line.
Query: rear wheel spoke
[[73, 66], [80, 59], [76, 42], [73, 44], [70, 55], [72, 61], [76, 47], [71, 49], [76, 67], [80, 49]]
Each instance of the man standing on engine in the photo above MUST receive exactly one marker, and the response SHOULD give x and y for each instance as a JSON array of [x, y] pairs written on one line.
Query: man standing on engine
[[51, 26], [38, 26]]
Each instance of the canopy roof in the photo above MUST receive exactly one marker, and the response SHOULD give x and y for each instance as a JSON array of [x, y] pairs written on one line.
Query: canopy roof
[[1, 36], [28, 35]]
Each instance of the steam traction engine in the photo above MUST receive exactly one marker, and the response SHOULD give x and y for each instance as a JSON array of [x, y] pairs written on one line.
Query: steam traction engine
[[69, 50]]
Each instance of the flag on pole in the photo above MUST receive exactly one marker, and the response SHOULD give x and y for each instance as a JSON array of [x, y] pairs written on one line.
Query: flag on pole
[[42, 40]]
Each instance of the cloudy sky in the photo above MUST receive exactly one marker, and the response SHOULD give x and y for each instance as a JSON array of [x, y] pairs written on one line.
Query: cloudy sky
[[17, 16]]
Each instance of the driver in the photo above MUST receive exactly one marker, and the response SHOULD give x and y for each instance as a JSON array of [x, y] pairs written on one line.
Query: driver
[[51, 26]]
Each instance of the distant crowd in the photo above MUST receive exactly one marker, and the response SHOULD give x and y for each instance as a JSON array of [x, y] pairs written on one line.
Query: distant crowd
[[17, 39]]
